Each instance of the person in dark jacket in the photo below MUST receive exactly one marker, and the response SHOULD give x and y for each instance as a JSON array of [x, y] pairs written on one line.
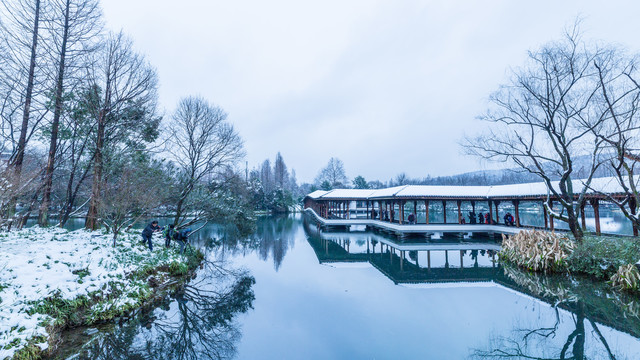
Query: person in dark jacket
[[168, 232], [481, 218], [148, 231], [183, 238]]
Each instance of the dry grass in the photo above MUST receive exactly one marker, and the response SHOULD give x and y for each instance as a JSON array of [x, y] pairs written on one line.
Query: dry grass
[[627, 278], [537, 250]]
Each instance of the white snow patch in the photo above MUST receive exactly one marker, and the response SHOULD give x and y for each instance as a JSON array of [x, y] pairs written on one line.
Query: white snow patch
[[36, 263]]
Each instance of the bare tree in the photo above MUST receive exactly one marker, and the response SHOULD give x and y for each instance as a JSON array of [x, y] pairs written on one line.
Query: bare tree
[[120, 79], [20, 85], [544, 119], [24, 17], [266, 177], [280, 172], [135, 189], [333, 173], [620, 99], [74, 25], [202, 143]]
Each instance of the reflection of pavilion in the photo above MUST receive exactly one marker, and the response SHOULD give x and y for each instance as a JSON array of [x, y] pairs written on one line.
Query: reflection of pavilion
[[418, 262], [463, 264]]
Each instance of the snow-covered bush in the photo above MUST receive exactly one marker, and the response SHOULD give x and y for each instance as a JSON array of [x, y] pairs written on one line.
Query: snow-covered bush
[[537, 250]]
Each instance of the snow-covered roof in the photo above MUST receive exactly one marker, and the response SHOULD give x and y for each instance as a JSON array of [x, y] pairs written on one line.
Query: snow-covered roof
[[443, 191], [607, 185], [317, 194], [518, 190], [348, 194]]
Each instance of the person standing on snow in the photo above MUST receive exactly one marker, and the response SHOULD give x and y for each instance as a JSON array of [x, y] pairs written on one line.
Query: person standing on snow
[[168, 232], [148, 231]]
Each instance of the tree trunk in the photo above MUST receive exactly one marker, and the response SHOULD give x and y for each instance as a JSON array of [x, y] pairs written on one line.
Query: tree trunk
[[92, 214], [22, 141], [43, 218], [17, 162]]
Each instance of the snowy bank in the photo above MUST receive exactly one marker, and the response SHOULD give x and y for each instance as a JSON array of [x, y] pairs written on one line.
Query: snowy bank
[[45, 270]]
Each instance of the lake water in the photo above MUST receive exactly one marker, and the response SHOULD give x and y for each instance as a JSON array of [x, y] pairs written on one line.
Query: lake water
[[290, 291]]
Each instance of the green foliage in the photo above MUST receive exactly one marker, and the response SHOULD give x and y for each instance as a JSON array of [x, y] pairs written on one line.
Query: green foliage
[[601, 256], [326, 185], [81, 272], [360, 183], [65, 312], [31, 350]]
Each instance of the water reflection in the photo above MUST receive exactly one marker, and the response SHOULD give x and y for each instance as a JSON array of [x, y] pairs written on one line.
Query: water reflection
[[198, 322], [274, 236], [439, 300], [587, 316]]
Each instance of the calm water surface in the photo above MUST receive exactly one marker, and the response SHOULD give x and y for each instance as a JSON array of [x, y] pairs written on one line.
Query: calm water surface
[[351, 296]]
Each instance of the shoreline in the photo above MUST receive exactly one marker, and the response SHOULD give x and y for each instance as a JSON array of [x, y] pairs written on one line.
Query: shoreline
[[55, 280]]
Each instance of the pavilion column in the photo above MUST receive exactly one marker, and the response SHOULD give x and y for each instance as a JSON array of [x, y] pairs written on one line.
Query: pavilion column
[[426, 208], [380, 210], [444, 210], [546, 216], [368, 212], [583, 216], [459, 203], [596, 213], [497, 213], [632, 209], [415, 210], [516, 204], [387, 207], [401, 212], [490, 212], [473, 206], [348, 214]]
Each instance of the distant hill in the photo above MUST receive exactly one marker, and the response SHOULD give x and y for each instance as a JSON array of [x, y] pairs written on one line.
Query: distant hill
[[581, 164]]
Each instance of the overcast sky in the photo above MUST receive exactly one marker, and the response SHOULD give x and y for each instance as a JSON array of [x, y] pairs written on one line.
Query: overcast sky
[[386, 86]]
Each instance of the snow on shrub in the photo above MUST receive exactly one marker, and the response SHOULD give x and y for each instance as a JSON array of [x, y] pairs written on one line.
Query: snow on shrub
[[537, 250]]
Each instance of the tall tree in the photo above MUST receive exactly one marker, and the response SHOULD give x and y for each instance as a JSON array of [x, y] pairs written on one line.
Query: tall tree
[[280, 172], [333, 174], [202, 143], [125, 87], [543, 120], [24, 19], [266, 177], [74, 26], [20, 25]]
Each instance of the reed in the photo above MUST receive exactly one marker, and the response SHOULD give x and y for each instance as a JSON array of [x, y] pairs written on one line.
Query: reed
[[626, 278], [537, 250]]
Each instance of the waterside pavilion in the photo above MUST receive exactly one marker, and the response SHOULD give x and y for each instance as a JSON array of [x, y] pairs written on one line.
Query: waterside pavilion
[[335, 208]]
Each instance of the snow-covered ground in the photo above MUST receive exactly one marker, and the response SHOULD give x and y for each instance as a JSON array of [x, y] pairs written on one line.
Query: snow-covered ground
[[36, 263]]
